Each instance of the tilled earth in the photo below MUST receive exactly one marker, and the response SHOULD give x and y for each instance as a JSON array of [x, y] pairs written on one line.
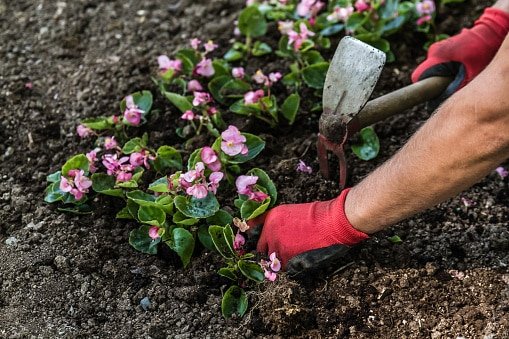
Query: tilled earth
[[69, 276]]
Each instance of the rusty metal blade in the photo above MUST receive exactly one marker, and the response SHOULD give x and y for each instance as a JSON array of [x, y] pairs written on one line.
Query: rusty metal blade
[[351, 78]]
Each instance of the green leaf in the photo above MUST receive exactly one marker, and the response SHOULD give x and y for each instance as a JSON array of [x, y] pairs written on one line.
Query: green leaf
[[124, 214], [252, 22], [389, 9], [314, 75], [133, 208], [52, 193], [393, 26], [182, 242], [142, 198], [234, 88], [251, 209], [81, 209], [189, 53], [215, 86], [167, 157], [369, 147], [239, 108], [234, 302], [284, 50], [160, 185], [98, 124], [205, 238], [254, 145], [261, 48], [79, 161], [221, 68], [180, 101], [290, 107], [228, 272], [165, 202], [291, 79], [194, 158], [105, 184], [134, 145], [142, 99], [395, 239], [141, 241], [217, 235], [265, 182], [228, 237], [251, 270], [54, 177], [332, 30], [355, 20], [220, 218], [151, 215], [233, 55], [197, 208], [180, 219], [313, 57]]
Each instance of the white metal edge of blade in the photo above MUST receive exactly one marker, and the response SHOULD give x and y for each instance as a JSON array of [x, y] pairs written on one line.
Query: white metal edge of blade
[[351, 78]]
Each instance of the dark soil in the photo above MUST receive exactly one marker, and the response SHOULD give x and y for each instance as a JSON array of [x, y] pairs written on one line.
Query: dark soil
[[69, 276]]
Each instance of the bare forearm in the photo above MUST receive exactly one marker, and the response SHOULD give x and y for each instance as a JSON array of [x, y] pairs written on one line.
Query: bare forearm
[[462, 142]]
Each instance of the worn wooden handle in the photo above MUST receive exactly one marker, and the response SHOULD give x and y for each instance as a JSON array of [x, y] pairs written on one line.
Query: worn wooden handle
[[404, 98]]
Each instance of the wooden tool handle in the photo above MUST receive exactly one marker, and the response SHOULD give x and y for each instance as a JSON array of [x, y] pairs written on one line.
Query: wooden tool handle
[[402, 99]]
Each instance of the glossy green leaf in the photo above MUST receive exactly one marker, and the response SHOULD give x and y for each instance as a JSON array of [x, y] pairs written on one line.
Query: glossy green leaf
[[251, 270], [141, 241], [167, 157], [265, 181], [98, 124], [54, 177], [228, 272], [151, 215], [124, 214], [165, 202], [142, 99], [261, 48], [314, 75], [229, 237], [134, 145], [205, 238], [133, 208], [180, 218], [191, 54], [221, 218], [80, 209], [197, 208], [79, 161], [217, 235], [395, 239], [221, 67], [332, 30], [251, 209], [233, 55], [313, 57], [52, 193], [369, 145], [160, 185], [179, 101], [252, 22], [234, 302], [215, 86], [290, 107], [355, 21], [142, 198], [240, 108], [105, 184], [234, 88], [254, 145], [182, 242]]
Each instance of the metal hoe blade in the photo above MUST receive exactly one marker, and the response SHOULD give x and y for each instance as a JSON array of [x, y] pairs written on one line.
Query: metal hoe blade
[[352, 76]]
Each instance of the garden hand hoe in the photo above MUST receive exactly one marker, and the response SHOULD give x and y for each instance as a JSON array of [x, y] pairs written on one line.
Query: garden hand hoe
[[351, 78]]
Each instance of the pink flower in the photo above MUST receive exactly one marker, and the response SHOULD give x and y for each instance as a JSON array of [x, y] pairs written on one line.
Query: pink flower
[[199, 191], [188, 115], [252, 97], [201, 98], [422, 20], [502, 172], [233, 142], [136, 159], [29, 85], [83, 131], [214, 179], [166, 64], [65, 185], [186, 179], [132, 113], [340, 14], [362, 5], [238, 72], [245, 185], [92, 159], [153, 232], [236, 30], [205, 68], [467, 202], [110, 143], [297, 39], [124, 176], [194, 86], [269, 275], [212, 110], [195, 43], [210, 158], [426, 7], [210, 46], [259, 77], [77, 186], [309, 7], [238, 242], [112, 164], [275, 77], [285, 27], [82, 182], [275, 264], [302, 167]]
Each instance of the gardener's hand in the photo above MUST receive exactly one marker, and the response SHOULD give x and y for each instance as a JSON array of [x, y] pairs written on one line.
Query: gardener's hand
[[466, 54], [305, 236]]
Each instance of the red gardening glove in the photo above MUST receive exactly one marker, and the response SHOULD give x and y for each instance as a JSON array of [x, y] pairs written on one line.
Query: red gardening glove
[[306, 235], [466, 54]]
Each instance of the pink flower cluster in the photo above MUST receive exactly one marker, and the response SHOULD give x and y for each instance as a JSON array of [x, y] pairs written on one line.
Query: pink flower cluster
[[246, 186], [297, 39], [77, 183], [210, 158], [205, 68], [233, 142], [265, 80], [502, 172], [271, 267], [362, 5], [425, 10], [132, 113], [340, 14], [195, 183], [209, 46], [92, 159], [83, 131], [153, 232], [122, 168], [309, 8]]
